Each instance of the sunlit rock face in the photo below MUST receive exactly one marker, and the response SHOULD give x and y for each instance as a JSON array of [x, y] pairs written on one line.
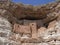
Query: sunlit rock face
[[5, 27], [6, 32]]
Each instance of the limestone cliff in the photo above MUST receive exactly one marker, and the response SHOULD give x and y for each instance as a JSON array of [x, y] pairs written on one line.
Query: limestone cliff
[[22, 24]]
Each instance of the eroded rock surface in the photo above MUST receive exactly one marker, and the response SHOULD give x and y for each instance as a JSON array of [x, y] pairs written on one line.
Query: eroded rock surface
[[22, 24], [5, 32]]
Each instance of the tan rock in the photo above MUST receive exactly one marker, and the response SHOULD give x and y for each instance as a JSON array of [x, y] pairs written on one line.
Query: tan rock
[[26, 36], [35, 44], [15, 27], [15, 37], [32, 40], [33, 31], [52, 24], [41, 31], [50, 34]]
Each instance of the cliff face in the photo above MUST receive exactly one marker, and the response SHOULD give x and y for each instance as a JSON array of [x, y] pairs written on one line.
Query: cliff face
[[29, 25]]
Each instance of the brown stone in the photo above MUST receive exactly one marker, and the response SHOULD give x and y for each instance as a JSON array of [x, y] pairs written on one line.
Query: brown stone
[[34, 30], [50, 17], [21, 29], [24, 29], [38, 22]]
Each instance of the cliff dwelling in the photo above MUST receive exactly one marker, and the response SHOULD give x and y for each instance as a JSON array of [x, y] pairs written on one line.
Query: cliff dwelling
[[29, 25]]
